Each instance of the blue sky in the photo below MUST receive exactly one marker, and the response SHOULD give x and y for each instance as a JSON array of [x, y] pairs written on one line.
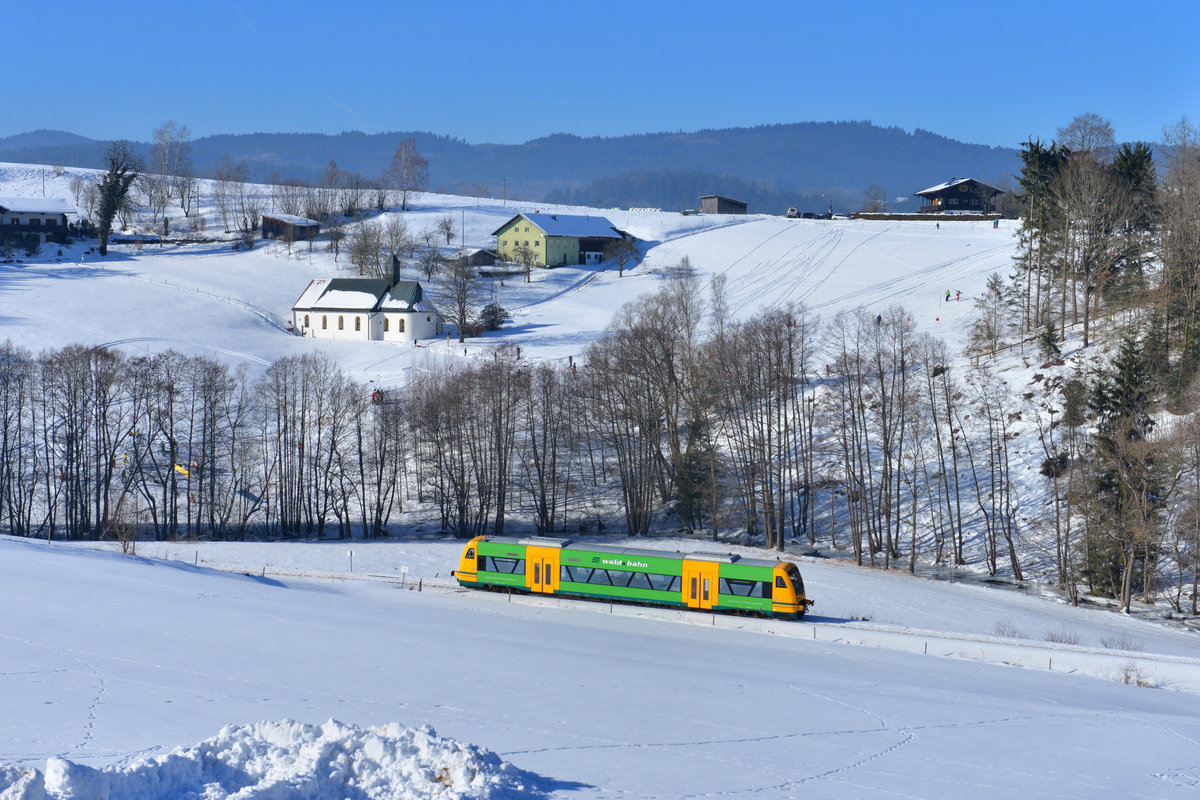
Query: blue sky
[[990, 73]]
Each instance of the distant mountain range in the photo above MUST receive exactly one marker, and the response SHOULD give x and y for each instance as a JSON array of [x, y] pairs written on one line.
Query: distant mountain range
[[810, 165]]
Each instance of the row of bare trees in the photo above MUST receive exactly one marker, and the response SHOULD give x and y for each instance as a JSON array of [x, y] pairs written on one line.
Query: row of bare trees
[[858, 434]]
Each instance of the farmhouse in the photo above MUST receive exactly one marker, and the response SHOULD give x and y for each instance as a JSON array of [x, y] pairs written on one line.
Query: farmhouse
[[289, 227], [44, 216], [554, 240], [365, 309], [958, 196], [716, 204]]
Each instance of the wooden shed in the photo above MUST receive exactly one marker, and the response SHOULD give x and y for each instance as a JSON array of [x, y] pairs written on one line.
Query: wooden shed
[[717, 204], [289, 226]]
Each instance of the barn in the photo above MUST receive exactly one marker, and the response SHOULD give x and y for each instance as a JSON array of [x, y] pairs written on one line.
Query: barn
[[718, 204], [554, 240], [289, 227]]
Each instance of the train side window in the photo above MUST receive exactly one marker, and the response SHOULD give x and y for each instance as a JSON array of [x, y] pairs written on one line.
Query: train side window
[[737, 587], [510, 566], [600, 577], [639, 580], [619, 578], [765, 588], [662, 582], [579, 574]]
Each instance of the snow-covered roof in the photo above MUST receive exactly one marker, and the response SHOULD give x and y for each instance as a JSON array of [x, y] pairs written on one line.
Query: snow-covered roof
[[349, 294], [950, 184], [405, 296], [568, 225], [314, 290], [363, 294], [357, 294], [37, 205], [292, 219]]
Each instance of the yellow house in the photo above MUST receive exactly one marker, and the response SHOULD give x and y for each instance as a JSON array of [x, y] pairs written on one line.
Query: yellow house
[[554, 240]]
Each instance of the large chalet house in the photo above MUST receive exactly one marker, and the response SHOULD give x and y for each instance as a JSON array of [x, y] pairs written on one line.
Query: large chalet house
[[958, 196], [44, 216], [554, 240], [365, 310]]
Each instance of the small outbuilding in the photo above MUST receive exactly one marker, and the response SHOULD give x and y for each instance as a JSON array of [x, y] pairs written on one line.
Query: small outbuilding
[[718, 204], [958, 196], [289, 227]]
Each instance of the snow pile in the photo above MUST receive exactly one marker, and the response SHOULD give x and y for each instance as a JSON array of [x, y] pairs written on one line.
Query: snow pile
[[284, 759]]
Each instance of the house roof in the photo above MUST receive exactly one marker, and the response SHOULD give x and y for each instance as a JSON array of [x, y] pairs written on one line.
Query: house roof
[[37, 205], [567, 225], [292, 219], [723, 197], [953, 182]]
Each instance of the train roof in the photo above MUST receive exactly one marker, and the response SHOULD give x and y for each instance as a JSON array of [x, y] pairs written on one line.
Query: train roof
[[563, 544]]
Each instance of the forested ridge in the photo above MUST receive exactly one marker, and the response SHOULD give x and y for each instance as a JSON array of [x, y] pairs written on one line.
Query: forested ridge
[[803, 164]]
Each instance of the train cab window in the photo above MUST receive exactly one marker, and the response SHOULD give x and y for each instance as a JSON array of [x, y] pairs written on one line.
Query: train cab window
[[779, 582], [797, 581], [470, 552]]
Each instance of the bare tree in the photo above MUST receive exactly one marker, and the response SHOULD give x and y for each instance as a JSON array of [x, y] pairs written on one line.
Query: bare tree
[[1088, 133], [875, 199], [367, 249], [445, 226], [222, 190], [622, 251], [461, 292], [169, 151], [408, 172]]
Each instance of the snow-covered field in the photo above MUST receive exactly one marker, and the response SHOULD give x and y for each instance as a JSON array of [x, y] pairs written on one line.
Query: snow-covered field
[[137, 676], [300, 670]]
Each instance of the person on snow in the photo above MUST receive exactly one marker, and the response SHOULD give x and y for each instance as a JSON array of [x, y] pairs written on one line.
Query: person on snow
[[947, 295]]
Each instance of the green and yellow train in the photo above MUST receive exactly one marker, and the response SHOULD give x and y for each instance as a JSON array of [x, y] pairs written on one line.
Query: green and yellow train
[[705, 581]]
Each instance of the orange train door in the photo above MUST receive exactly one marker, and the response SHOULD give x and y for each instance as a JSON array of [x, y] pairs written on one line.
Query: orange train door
[[541, 569], [700, 583]]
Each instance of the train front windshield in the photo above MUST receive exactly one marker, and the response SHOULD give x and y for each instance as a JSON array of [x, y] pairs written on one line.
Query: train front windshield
[[797, 581]]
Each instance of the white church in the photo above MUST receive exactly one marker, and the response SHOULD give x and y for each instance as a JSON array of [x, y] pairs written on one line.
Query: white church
[[366, 310]]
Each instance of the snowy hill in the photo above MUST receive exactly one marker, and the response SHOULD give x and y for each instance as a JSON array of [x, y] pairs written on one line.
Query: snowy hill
[[208, 298]]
